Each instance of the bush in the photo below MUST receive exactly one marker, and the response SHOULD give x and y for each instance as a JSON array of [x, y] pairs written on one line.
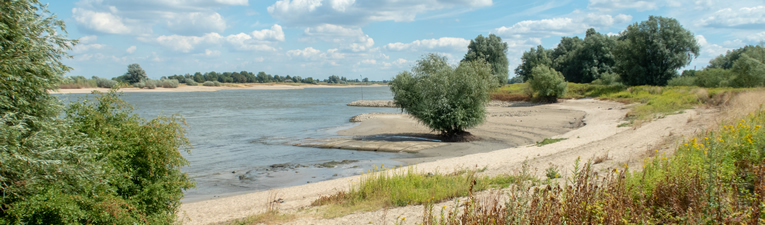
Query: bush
[[140, 85], [211, 83], [105, 83], [547, 83], [151, 84], [749, 72], [608, 79], [682, 81], [169, 83], [190, 82], [142, 160], [714, 77], [444, 98]]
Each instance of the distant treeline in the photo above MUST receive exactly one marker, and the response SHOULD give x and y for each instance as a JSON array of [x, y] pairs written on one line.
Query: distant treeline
[[260, 77]]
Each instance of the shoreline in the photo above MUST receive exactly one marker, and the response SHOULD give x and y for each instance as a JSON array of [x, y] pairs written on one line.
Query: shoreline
[[184, 88], [601, 135]]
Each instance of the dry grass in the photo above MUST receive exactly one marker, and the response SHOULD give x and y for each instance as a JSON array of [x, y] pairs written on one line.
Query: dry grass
[[270, 216]]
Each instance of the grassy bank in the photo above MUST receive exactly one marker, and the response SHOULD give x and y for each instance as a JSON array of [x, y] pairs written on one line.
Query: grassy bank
[[717, 177], [653, 102]]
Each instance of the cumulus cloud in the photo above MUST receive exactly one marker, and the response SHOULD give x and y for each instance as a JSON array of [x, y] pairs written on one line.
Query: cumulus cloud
[[350, 12], [757, 37], [608, 5], [709, 50], [209, 53], [534, 30], [353, 39], [137, 17], [195, 22], [446, 44], [312, 54], [131, 49], [104, 22], [746, 17], [259, 40]]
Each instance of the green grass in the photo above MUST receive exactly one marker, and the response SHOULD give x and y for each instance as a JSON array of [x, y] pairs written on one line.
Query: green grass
[[653, 102], [548, 141], [382, 188]]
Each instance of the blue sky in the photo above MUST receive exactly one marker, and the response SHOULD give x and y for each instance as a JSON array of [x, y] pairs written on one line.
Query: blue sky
[[371, 38]]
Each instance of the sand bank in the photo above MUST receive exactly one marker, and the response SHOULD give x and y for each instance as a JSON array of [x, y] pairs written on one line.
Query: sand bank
[[601, 135], [185, 88]]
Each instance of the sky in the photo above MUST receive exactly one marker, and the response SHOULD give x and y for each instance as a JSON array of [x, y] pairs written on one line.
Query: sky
[[376, 39]]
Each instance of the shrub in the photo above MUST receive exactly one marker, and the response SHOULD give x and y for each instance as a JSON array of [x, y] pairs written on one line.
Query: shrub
[[216, 83], [211, 83], [151, 84], [749, 72], [608, 79], [682, 81], [444, 98], [142, 160], [105, 83], [713, 77], [139, 85], [547, 83], [169, 83], [190, 82]]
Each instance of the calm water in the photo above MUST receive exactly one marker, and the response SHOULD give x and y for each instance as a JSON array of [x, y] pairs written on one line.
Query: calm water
[[238, 134]]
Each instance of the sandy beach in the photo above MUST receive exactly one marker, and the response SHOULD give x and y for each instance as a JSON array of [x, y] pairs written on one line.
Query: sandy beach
[[600, 136], [184, 88]]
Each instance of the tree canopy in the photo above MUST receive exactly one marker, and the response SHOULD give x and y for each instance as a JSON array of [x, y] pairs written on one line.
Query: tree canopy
[[651, 52], [492, 50], [445, 98], [533, 58]]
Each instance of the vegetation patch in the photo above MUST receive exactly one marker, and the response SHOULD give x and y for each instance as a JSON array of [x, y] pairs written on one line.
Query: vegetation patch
[[548, 141], [382, 188]]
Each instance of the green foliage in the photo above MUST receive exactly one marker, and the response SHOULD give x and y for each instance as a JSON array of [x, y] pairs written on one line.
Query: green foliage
[[442, 97], [150, 84], [552, 172], [726, 61], [31, 48], [211, 83], [749, 72], [608, 79], [682, 81], [106, 83], [142, 159], [134, 74], [650, 52], [547, 83], [492, 50], [713, 77], [190, 82], [532, 59], [168, 83], [582, 61]]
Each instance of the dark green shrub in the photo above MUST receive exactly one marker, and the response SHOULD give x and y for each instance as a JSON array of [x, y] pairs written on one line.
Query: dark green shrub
[[444, 98], [608, 79], [682, 81], [142, 158], [547, 83], [713, 77], [105, 83], [749, 72]]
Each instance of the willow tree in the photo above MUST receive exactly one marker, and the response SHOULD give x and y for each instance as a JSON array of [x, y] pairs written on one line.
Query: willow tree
[[492, 50], [445, 98]]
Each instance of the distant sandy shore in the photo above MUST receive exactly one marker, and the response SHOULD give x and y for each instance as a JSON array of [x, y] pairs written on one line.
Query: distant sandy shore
[[185, 88]]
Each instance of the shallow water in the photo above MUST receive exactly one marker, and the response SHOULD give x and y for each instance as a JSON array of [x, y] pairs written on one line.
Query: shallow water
[[239, 131]]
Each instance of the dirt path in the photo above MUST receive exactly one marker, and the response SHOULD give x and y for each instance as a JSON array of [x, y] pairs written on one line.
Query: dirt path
[[601, 135]]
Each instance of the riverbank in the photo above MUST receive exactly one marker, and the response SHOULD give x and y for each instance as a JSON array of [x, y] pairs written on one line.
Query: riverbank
[[184, 88], [600, 136]]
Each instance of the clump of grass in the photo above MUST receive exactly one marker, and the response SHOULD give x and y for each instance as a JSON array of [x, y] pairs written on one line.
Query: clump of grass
[[270, 216], [552, 172], [382, 188], [548, 141]]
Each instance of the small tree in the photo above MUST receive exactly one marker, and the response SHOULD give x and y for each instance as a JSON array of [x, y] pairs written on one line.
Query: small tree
[[533, 58], [135, 74], [548, 84], [444, 98], [749, 72]]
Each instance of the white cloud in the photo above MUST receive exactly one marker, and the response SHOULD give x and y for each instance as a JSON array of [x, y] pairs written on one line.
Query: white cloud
[[449, 44], [273, 34], [100, 21], [542, 28], [757, 37], [187, 43], [312, 54], [131, 49], [88, 39], [353, 39], [708, 49], [351, 12], [608, 5], [367, 61], [195, 22], [209, 53], [745, 17], [398, 63]]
